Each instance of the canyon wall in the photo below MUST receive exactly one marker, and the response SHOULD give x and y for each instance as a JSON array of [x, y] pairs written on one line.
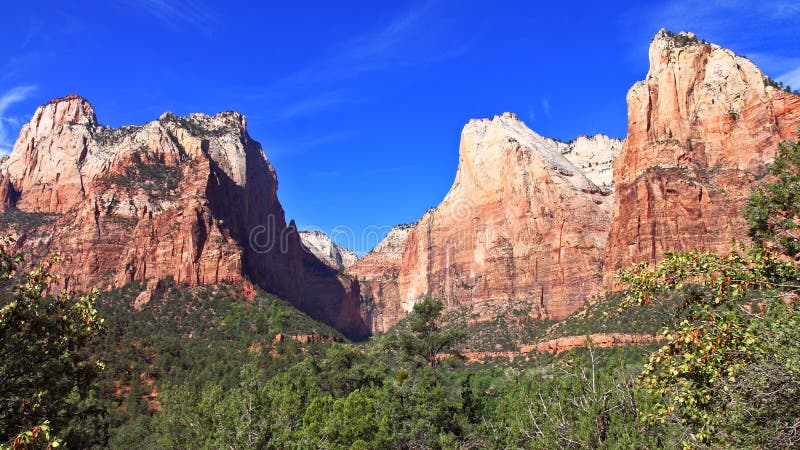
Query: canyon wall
[[192, 198], [702, 128], [531, 226], [376, 273], [521, 226]]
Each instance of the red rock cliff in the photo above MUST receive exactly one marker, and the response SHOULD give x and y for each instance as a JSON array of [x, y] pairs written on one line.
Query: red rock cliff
[[376, 273], [701, 129], [191, 197], [522, 227]]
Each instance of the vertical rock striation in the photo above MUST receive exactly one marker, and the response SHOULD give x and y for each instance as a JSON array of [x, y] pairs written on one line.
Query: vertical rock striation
[[376, 273], [191, 198], [701, 129], [521, 226]]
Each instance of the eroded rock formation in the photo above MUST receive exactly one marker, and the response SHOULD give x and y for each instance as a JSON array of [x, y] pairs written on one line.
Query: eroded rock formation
[[521, 225], [701, 130], [192, 198], [321, 245], [376, 273]]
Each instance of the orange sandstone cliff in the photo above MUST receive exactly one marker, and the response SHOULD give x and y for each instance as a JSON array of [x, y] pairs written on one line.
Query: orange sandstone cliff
[[701, 130], [522, 226], [531, 226], [376, 273], [192, 198]]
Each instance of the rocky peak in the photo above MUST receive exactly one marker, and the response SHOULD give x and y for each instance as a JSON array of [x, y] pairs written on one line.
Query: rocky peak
[[485, 144], [332, 254], [521, 227], [666, 39], [383, 261], [63, 150], [71, 109], [702, 128], [395, 240]]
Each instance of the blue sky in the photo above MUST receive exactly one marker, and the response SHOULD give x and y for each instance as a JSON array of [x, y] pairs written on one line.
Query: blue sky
[[359, 105]]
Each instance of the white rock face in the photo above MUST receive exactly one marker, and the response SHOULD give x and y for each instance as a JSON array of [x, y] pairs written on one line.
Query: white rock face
[[594, 156], [321, 246], [395, 241]]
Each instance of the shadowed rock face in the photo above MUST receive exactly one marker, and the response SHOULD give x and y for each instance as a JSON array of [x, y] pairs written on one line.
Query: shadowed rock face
[[701, 130], [530, 224], [376, 274], [521, 225], [191, 198]]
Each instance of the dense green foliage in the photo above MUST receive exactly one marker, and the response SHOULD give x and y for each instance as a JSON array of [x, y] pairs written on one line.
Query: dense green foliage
[[421, 340], [730, 371], [773, 210], [208, 367], [188, 337], [47, 381], [377, 396]]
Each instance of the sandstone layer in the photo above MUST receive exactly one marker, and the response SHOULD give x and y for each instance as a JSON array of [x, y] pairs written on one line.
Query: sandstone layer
[[521, 226], [327, 251], [192, 198], [701, 130], [594, 156], [376, 273], [563, 344]]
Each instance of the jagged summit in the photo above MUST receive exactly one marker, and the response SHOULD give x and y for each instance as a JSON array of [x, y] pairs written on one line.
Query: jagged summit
[[677, 40], [63, 149], [70, 109], [485, 143], [332, 254], [594, 155], [702, 128], [521, 225]]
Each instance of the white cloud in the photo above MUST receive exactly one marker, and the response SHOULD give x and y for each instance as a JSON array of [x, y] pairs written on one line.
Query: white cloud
[[546, 106], [791, 78], [414, 37], [174, 12], [313, 105], [8, 98]]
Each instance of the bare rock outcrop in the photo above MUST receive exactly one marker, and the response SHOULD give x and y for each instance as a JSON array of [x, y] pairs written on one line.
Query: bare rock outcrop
[[376, 273], [192, 198], [521, 225], [321, 245], [701, 130], [594, 156]]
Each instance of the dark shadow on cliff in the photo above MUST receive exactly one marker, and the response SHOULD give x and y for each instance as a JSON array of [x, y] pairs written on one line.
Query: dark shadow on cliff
[[273, 256]]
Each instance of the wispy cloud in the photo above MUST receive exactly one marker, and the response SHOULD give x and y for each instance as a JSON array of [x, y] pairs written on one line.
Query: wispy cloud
[[295, 146], [531, 114], [546, 106], [412, 38], [313, 105], [722, 17], [764, 31], [195, 13], [791, 78], [8, 98], [326, 174]]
